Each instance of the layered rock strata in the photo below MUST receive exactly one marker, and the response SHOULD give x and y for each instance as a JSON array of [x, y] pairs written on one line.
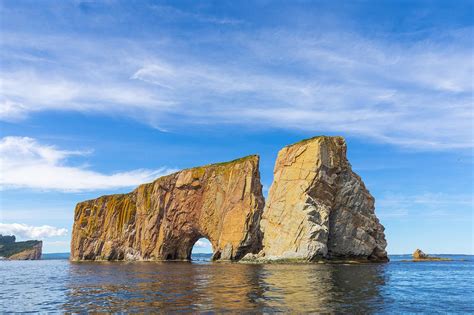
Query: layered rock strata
[[162, 220], [319, 208]]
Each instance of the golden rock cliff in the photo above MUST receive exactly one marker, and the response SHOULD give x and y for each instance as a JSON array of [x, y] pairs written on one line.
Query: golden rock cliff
[[162, 220], [318, 207]]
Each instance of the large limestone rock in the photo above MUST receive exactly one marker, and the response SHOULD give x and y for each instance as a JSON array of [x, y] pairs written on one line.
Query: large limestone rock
[[318, 207], [162, 220]]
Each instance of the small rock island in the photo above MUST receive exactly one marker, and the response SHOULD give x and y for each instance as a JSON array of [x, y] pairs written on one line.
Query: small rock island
[[419, 255], [12, 250], [318, 209]]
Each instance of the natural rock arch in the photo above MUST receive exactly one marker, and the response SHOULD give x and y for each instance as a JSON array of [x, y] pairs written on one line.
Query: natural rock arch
[[317, 208], [162, 220]]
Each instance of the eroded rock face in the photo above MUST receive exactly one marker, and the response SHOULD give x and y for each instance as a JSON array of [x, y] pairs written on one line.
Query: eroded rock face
[[318, 207], [162, 220], [32, 253]]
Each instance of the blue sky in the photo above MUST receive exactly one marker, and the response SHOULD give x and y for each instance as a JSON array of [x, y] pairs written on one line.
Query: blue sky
[[99, 96]]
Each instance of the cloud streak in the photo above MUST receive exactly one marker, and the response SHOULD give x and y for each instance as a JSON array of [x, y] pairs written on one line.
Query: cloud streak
[[24, 231], [26, 163], [425, 205], [202, 244], [413, 93]]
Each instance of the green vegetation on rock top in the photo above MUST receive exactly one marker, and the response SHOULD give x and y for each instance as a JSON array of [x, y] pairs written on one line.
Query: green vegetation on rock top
[[219, 164], [7, 239], [10, 249], [245, 158], [310, 139], [199, 170]]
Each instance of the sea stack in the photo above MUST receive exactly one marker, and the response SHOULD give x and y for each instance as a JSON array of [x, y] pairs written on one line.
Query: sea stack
[[162, 220], [419, 254], [318, 208]]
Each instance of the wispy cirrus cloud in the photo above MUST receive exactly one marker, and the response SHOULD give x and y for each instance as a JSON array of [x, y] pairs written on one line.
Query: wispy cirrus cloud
[[24, 231], [413, 93], [426, 205], [26, 163], [170, 12]]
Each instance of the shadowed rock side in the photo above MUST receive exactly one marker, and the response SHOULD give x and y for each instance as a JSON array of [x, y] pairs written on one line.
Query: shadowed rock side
[[162, 220], [319, 208]]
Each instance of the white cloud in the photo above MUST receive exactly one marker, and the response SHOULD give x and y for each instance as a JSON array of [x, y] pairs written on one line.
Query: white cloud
[[26, 163], [202, 244], [23, 231], [27, 91], [415, 94], [11, 111]]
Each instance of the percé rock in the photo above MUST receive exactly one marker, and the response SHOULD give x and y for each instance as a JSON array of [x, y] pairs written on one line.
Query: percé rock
[[162, 220], [318, 208], [27, 250]]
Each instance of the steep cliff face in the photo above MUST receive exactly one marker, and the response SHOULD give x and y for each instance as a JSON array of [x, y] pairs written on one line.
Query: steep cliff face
[[33, 253], [28, 250], [318, 207], [162, 220]]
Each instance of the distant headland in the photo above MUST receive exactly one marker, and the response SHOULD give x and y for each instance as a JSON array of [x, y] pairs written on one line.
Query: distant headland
[[28, 250], [318, 209]]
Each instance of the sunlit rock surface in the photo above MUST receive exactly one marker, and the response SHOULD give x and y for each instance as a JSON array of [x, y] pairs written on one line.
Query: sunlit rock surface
[[13, 250], [319, 208], [419, 254], [162, 220]]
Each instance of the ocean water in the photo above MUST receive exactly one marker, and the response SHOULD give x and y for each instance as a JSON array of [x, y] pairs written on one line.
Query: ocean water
[[203, 286]]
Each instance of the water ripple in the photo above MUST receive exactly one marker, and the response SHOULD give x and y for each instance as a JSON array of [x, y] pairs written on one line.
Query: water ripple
[[58, 285]]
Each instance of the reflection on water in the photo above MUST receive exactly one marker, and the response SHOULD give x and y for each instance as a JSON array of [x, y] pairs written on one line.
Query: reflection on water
[[204, 286], [220, 287]]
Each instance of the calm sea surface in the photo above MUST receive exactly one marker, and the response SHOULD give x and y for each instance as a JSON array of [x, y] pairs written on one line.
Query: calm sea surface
[[200, 286]]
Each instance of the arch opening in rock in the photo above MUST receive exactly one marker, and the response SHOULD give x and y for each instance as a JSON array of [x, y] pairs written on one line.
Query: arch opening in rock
[[317, 208], [201, 249], [162, 220]]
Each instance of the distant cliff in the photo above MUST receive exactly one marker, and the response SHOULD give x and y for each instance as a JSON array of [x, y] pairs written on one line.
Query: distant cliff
[[10, 249], [317, 208]]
